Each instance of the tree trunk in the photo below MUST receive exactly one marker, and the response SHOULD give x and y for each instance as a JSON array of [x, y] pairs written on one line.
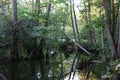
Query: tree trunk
[[102, 35], [46, 23], [119, 34], [15, 31], [107, 26], [75, 36], [35, 53], [75, 22], [37, 11], [33, 5], [113, 18], [91, 32], [47, 15]]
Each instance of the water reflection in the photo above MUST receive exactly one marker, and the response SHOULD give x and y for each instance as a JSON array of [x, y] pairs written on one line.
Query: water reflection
[[73, 77], [30, 70], [37, 70], [80, 76], [38, 74], [50, 74], [13, 71]]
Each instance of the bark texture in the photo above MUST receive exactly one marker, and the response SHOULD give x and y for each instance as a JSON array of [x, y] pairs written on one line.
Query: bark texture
[[15, 51], [107, 27], [119, 35]]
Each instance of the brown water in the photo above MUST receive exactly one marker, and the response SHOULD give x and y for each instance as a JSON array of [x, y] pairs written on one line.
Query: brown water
[[39, 70], [30, 70]]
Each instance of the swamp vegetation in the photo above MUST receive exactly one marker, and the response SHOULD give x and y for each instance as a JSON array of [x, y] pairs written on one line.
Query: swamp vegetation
[[59, 39]]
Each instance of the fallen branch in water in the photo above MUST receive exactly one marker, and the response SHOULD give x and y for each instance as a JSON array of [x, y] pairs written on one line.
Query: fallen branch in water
[[77, 44]]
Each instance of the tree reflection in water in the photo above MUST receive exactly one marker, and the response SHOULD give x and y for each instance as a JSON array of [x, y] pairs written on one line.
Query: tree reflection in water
[[13, 70], [73, 77], [38, 74], [30, 70], [35, 70]]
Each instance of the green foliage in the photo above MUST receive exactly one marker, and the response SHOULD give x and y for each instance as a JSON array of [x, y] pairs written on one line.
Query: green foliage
[[31, 30]]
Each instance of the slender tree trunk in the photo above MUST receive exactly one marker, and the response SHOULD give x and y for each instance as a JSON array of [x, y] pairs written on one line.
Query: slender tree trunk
[[42, 42], [91, 32], [61, 56], [102, 34], [46, 25], [75, 22], [89, 23], [14, 11], [119, 34], [107, 26], [47, 15], [113, 18], [75, 36], [37, 11], [33, 5], [15, 31], [35, 52]]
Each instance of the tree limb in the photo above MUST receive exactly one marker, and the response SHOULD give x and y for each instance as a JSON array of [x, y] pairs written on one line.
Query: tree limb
[[77, 44]]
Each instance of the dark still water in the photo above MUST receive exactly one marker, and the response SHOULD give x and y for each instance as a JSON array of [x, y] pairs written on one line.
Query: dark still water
[[30, 70]]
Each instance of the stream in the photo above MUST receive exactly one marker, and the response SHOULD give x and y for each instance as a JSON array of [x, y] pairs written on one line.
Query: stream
[[36, 70]]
